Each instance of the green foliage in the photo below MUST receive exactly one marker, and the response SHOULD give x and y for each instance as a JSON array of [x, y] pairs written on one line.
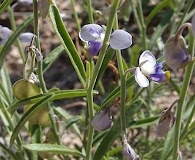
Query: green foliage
[[134, 111]]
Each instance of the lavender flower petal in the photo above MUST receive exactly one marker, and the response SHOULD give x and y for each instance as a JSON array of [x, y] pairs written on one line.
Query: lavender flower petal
[[90, 32], [26, 37], [120, 39], [4, 34], [158, 77], [94, 47]]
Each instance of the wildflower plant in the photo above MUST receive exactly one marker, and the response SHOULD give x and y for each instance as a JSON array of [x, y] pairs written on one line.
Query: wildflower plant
[[118, 117]]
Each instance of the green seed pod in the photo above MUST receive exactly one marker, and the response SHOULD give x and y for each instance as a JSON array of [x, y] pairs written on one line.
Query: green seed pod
[[40, 117], [23, 89]]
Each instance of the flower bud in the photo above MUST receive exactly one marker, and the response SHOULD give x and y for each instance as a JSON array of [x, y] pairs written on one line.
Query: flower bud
[[127, 151], [102, 121], [176, 54], [166, 121]]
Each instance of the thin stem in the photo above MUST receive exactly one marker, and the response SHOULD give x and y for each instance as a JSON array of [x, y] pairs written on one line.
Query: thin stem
[[143, 26], [122, 84], [182, 97], [94, 76], [13, 25], [75, 15], [90, 11], [40, 70]]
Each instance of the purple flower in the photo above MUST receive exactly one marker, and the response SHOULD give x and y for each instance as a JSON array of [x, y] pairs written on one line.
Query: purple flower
[[149, 68], [5, 33], [93, 35]]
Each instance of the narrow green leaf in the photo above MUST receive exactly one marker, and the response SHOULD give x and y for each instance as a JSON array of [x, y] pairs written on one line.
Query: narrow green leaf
[[66, 116], [145, 122], [62, 94], [115, 131], [27, 115], [67, 42], [13, 37], [52, 57], [116, 92], [160, 28], [8, 151], [6, 84], [53, 148], [4, 5]]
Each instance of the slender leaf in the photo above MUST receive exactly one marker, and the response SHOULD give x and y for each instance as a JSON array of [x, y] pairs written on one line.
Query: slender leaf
[[115, 131], [115, 93], [6, 84], [4, 5], [53, 148], [27, 115], [160, 28], [8, 152], [67, 42], [52, 57]]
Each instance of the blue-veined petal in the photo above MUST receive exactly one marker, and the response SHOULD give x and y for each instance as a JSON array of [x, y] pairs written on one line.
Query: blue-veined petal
[[90, 32], [140, 78], [120, 39], [94, 47], [158, 77]]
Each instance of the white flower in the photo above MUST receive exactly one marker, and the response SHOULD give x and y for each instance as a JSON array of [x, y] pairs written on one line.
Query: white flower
[[149, 68], [93, 35]]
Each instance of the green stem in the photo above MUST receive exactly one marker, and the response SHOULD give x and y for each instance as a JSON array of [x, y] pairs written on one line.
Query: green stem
[[143, 26], [182, 97], [94, 76], [40, 71], [90, 11], [122, 83], [75, 15], [13, 25]]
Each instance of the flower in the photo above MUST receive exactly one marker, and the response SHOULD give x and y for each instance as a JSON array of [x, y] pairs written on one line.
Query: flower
[[102, 121], [4, 34], [148, 67], [93, 35], [175, 51]]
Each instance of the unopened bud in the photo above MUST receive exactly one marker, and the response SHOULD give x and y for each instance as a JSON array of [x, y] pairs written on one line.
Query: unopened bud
[[127, 151], [176, 54], [166, 121], [102, 121]]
